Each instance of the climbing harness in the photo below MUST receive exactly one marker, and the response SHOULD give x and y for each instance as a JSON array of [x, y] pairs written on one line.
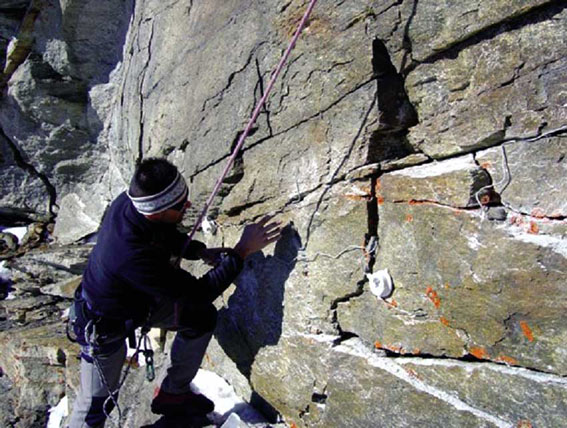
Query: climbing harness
[[251, 122]]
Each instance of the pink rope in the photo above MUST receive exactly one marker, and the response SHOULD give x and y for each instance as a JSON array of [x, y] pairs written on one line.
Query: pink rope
[[250, 123]]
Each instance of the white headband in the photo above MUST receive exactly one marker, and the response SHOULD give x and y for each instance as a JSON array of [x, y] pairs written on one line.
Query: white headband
[[173, 194]]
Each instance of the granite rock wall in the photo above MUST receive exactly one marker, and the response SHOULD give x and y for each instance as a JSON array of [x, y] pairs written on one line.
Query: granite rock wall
[[425, 138]]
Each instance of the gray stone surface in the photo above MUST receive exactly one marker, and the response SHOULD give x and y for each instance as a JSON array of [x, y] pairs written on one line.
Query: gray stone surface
[[387, 127]]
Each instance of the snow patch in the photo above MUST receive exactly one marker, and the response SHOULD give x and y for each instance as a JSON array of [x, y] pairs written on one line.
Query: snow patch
[[57, 413], [4, 271], [227, 403], [19, 232], [438, 168]]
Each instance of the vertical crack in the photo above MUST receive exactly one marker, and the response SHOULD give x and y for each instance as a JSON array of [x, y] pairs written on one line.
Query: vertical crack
[[30, 169], [142, 78]]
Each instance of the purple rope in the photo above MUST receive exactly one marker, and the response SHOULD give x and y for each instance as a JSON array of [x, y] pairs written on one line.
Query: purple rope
[[250, 124]]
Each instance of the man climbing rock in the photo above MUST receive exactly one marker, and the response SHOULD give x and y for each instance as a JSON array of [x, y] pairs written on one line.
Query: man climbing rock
[[129, 282]]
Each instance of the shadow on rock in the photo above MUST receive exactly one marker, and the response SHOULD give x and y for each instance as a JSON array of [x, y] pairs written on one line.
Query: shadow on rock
[[253, 318]]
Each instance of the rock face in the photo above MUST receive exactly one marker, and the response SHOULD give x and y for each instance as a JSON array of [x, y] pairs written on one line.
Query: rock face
[[425, 138]]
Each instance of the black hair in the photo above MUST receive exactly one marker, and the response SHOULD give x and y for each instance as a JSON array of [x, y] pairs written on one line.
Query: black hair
[[152, 176]]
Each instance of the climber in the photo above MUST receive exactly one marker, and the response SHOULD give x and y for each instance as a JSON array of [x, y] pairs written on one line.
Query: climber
[[129, 282]]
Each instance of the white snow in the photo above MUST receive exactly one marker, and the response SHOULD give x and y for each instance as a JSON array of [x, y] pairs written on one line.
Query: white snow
[[57, 413], [227, 402], [19, 232], [4, 271], [438, 168]]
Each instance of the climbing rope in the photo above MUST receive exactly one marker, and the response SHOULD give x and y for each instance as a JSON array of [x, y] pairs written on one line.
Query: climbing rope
[[251, 122], [90, 339]]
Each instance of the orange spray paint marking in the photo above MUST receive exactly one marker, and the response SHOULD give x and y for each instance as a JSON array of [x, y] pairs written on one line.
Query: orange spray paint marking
[[293, 425], [534, 228], [380, 200], [524, 424], [409, 218], [486, 165], [378, 185], [412, 373], [479, 353], [508, 360], [444, 321], [377, 345], [432, 295], [538, 213], [527, 331]]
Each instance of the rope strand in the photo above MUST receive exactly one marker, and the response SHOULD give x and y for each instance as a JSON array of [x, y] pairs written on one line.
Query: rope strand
[[248, 128]]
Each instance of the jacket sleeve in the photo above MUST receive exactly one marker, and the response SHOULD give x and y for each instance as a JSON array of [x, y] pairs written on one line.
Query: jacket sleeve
[[153, 275], [177, 240]]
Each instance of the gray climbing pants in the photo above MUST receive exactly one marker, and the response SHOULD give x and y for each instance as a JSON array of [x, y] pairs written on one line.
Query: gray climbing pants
[[194, 325]]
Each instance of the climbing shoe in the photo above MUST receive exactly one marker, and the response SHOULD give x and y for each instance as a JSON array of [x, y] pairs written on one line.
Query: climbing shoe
[[188, 403]]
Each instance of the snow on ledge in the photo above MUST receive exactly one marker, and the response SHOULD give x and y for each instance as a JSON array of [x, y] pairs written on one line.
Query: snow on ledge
[[438, 168]]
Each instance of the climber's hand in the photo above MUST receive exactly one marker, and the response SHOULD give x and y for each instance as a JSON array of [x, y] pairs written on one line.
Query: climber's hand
[[257, 236]]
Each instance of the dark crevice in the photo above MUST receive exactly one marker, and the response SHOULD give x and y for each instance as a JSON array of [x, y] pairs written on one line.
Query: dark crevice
[[231, 77], [358, 292], [538, 14], [406, 40], [260, 86], [467, 358], [396, 111], [142, 79], [30, 169], [235, 211]]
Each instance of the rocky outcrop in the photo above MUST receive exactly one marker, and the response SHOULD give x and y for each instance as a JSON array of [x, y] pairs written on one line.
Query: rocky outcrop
[[425, 138]]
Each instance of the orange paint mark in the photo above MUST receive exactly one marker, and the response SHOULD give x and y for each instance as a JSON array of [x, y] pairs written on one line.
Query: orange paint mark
[[378, 185], [416, 351], [412, 373], [393, 303], [486, 165], [444, 321], [479, 353], [380, 200], [432, 295], [355, 197], [394, 348], [538, 213], [508, 360], [293, 425], [534, 228], [377, 345], [524, 423], [413, 202], [527, 331], [409, 218]]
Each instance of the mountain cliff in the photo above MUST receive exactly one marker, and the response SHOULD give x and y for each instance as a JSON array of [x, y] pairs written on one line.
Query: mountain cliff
[[422, 138]]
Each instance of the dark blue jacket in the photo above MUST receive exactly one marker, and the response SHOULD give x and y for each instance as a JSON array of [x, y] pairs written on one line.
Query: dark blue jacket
[[129, 269]]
